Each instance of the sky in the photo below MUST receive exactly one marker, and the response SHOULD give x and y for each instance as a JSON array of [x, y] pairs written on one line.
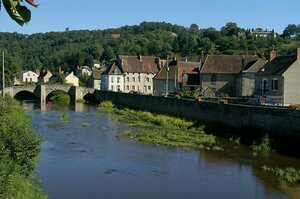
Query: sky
[[57, 15]]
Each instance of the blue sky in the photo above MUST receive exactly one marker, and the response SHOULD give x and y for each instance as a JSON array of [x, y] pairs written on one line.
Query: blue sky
[[57, 15]]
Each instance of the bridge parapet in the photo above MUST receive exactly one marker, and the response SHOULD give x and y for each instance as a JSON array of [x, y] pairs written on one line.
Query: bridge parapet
[[42, 91]]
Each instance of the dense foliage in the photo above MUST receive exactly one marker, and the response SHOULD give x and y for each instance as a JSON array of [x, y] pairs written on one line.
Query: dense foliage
[[19, 148], [70, 49]]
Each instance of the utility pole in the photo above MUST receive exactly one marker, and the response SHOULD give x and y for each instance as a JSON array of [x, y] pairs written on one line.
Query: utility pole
[[3, 79], [200, 66], [167, 75]]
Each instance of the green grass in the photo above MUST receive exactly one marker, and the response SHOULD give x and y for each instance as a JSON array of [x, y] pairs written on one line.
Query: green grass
[[158, 129], [85, 124], [21, 187], [64, 117], [264, 146], [288, 174]]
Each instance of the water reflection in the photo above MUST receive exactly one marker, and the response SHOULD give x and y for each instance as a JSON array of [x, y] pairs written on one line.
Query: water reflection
[[99, 161]]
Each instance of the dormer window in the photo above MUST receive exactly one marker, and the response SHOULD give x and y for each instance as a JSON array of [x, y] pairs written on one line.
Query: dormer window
[[115, 71]]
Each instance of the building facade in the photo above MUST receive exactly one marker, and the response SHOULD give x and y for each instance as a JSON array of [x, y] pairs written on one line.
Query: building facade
[[28, 77], [176, 76], [278, 81], [226, 75], [113, 79]]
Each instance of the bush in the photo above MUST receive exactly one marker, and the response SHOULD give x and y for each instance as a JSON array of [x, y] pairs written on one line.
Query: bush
[[19, 149]]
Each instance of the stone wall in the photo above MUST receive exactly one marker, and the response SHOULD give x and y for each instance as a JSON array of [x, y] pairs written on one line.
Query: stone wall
[[281, 121]]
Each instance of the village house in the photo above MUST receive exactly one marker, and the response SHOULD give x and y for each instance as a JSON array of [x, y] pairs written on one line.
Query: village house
[[94, 80], [178, 75], [72, 79], [113, 79], [139, 72], [28, 77], [229, 75], [83, 71], [131, 74], [278, 81], [67, 78], [45, 76]]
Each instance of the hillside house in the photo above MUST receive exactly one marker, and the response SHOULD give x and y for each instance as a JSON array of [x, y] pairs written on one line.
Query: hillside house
[[224, 74], [278, 81]]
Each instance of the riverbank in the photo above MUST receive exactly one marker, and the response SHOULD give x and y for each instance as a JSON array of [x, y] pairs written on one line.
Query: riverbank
[[19, 149], [170, 131]]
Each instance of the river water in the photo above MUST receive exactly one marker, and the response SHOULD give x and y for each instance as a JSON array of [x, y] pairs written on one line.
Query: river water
[[90, 157]]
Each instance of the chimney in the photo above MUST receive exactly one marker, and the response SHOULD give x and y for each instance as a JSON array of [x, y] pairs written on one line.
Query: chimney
[[272, 55], [298, 53], [263, 57]]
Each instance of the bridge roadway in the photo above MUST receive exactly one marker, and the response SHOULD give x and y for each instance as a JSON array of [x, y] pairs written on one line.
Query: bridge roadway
[[41, 92]]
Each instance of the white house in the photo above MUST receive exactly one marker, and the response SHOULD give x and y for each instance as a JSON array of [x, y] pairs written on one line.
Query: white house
[[139, 72], [72, 79], [113, 79], [28, 76]]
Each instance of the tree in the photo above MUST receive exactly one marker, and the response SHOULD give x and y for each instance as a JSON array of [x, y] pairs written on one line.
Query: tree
[[21, 14], [230, 29], [292, 30]]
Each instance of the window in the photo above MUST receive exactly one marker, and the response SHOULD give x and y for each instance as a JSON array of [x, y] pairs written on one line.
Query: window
[[127, 79], [133, 79], [149, 88], [118, 88], [275, 85], [112, 88], [112, 79], [139, 78], [145, 88], [213, 79], [127, 88], [264, 86], [118, 80], [147, 79], [133, 88], [28, 74], [30, 79]]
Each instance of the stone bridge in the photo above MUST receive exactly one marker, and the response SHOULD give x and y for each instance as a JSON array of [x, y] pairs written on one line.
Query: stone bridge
[[42, 91]]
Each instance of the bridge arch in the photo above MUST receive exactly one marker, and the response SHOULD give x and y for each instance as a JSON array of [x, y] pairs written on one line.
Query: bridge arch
[[25, 95], [89, 98], [58, 94]]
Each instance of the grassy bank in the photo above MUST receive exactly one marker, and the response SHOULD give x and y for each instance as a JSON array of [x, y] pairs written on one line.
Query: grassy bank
[[288, 174], [160, 129], [19, 149]]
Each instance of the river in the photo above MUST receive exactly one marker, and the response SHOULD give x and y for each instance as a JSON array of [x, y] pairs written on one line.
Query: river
[[90, 157]]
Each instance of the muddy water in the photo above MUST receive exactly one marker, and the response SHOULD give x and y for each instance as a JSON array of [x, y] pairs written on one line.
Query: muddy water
[[89, 157]]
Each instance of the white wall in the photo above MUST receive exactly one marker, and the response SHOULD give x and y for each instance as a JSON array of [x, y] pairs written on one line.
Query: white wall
[[112, 83], [29, 76]]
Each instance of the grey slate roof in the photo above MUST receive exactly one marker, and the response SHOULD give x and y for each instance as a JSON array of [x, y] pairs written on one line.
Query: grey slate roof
[[278, 65]]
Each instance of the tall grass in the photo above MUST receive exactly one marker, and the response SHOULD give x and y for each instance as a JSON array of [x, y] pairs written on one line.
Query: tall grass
[[288, 174], [161, 129]]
